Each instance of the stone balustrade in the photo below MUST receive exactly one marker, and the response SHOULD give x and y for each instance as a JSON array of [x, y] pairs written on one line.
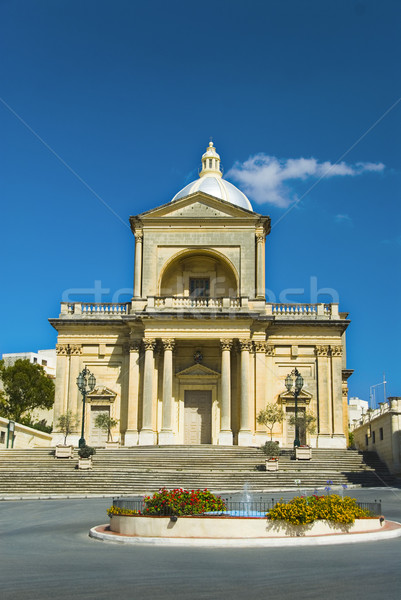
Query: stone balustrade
[[313, 311], [97, 309], [244, 304]]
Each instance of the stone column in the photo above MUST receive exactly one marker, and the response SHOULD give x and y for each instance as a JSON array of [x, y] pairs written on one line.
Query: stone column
[[138, 264], [61, 392], [323, 397], [146, 435], [260, 263], [166, 435], [75, 396], [260, 387], [225, 434], [131, 433], [244, 435], [339, 438]]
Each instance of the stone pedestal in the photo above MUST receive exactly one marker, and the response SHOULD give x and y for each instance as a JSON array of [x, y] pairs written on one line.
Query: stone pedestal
[[146, 437], [225, 438], [131, 438]]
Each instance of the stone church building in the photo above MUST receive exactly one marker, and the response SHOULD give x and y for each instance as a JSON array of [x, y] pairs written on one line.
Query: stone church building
[[198, 351]]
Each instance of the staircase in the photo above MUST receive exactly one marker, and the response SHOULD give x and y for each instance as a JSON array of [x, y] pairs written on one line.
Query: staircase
[[128, 471]]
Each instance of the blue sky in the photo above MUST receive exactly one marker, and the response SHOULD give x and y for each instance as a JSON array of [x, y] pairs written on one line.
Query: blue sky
[[106, 108]]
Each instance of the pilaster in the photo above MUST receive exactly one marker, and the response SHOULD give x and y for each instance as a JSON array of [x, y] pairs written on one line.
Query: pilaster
[[131, 433], [166, 435], [336, 393], [225, 434], [260, 262], [147, 435], [138, 263], [244, 435]]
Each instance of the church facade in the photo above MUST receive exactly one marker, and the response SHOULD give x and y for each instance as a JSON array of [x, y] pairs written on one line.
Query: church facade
[[198, 351]]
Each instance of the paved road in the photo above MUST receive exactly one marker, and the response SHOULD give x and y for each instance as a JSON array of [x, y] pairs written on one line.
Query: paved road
[[45, 553]]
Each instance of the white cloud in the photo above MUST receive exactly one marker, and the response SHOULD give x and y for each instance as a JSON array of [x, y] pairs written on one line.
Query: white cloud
[[344, 219], [263, 178]]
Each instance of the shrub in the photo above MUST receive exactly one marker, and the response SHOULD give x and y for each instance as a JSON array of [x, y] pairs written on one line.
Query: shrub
[[182, 502], [271, 449], [86, 452], [126, 512], [302, 510]]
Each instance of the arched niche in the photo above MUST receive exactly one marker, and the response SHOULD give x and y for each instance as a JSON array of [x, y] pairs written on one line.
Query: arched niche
[[183, 270]]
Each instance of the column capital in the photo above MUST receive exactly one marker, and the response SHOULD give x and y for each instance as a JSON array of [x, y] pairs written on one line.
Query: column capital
[[336, 350], [226, 344], [62, 349], [138, 236], [260, 238], [134, 345], [75, 349], [322, 350], [270, 350], [150, 344], [259, 346], [245, 345], [168, 344]]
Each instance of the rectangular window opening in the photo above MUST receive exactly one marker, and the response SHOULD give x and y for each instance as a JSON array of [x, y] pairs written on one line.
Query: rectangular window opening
[[381, 433], [199, 287]]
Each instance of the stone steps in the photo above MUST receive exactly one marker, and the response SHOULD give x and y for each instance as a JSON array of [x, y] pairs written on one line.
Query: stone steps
[[146, 469]]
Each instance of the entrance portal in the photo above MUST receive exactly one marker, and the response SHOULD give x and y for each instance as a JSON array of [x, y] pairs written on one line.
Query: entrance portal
[[198, 417], [98, 437], [290, 413]]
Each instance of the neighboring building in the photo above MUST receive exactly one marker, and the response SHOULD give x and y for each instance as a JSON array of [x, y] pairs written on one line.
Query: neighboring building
[[356, 409], [380, 431], [198, 352], [21, 436], [46, 358]]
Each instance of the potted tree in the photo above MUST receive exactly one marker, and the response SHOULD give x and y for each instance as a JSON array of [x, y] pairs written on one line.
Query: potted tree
[[85, 457], [106, 423], [271, 451], [269, 416], [66, 424], [306, 423]]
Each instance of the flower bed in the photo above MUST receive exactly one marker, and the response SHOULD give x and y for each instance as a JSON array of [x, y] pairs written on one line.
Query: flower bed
[[303, 510], [181, 514]]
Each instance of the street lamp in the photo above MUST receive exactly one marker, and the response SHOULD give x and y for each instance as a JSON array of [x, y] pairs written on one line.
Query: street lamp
[[86, 383], [295, 379]]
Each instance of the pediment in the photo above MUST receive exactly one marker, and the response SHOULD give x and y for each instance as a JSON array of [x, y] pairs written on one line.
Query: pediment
[[304, 397], [197, 370], [101, 392], [198, 205]]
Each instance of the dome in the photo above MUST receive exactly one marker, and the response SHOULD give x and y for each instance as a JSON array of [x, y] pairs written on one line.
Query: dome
[[211, 182]]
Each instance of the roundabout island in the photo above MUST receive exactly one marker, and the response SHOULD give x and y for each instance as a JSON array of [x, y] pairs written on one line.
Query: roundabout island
[[199, 518]]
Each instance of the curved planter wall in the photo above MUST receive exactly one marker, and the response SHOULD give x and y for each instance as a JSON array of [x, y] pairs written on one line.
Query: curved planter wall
[[230, 527]]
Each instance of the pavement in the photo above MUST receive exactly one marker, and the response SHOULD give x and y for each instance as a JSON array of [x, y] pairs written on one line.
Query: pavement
[[46, 553]]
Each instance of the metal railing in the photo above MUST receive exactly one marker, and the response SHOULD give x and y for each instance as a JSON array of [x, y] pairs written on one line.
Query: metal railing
[[257, 508]]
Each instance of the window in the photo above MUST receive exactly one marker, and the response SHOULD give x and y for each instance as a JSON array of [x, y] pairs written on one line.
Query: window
[[199, 288], [210, 163], [381, 433], [366, 440], [2, 437], [35, 360], [374, 436], [44, 363]]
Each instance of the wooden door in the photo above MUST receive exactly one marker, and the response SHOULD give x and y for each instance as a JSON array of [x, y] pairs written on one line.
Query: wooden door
[[198, 417], [98, 437], [290, 412]]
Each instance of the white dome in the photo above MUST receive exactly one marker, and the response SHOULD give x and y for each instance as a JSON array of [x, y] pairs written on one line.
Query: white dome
[[211, 182]]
